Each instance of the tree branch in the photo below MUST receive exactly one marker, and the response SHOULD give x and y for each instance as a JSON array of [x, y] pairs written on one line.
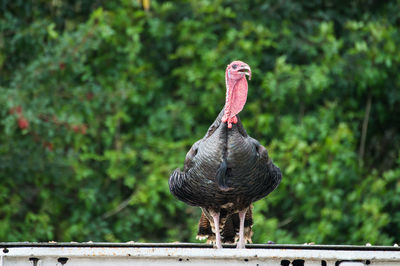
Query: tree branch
[[119, 208], [364, 130]]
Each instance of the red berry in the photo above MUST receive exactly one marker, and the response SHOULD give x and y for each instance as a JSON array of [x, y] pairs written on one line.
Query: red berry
[[23, 123], [48, 145], [16, 109], [83, 129], [76, 128], [89, 96], [62, 66]]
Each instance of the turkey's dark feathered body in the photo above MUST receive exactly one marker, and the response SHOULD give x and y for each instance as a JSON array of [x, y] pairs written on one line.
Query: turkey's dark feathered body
[[225, 171], [250, 174]]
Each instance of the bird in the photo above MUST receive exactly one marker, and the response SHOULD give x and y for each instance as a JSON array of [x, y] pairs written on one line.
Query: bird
[[227, 170]]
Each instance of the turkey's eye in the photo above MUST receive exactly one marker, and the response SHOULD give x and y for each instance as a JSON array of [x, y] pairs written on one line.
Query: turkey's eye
[[234, 66]]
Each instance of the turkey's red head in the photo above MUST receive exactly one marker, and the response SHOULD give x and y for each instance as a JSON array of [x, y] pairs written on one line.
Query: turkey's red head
[[236, 90]]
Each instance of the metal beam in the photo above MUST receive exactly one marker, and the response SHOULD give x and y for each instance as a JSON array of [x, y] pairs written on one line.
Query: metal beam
[[27, 253]]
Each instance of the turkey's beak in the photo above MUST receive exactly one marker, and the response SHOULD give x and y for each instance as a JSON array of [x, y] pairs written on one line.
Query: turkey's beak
[[246, 70]]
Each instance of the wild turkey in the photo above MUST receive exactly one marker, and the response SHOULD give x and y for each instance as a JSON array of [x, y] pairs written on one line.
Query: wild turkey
[[227, 170]]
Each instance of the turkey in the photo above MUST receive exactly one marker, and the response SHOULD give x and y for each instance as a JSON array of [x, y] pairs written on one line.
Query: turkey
[[227, 170]]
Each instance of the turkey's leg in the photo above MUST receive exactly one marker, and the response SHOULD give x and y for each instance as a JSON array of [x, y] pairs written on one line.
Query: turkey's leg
[[215, 216], [241, 242]]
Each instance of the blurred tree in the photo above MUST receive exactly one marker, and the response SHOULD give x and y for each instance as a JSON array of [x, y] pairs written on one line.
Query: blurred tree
[[102, 99]]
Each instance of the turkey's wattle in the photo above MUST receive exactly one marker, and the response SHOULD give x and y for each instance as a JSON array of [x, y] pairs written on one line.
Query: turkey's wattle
[[227, 170]]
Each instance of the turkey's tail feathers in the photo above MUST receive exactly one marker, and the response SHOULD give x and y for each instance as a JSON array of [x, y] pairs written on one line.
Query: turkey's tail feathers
[[204, 230], [229, 229]]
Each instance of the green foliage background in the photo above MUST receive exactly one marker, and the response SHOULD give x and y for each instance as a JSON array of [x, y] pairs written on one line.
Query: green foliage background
[[100, 101]]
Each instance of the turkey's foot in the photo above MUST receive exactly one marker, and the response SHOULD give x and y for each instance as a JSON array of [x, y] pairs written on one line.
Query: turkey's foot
[[241, 242], [215, 216]]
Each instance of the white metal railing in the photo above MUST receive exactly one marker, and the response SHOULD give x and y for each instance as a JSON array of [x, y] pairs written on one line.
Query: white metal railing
[[43, 254]]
